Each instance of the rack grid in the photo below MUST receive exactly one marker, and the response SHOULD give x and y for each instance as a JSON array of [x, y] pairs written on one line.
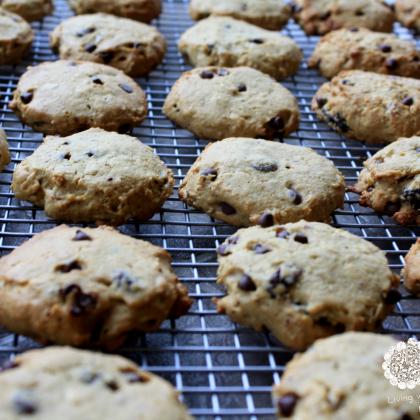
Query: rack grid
[[223, 370]]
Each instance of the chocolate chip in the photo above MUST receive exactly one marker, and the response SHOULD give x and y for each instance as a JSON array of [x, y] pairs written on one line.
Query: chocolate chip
[[294, 196], [8, 364], [406, 417], [97, 81], [412, 196], [321, 102], [257, 41], [265, 167], [126, 88], [81, 236], [391, 64], [266, 220], [66, 156], [261, 249], [210, 173], [123, 280], [359, 13], [275, 127], [23, 404], [26, 97], [392, 297], [242, 87], [408, 101], [222, 72], [81, 302], [337, 121], [223, 250], [282, 234], [354, 29], [90, 48], [338, 327], [106, 56], [112, 385], [84, 32], [89, 154], [392, 208], [110, 179], [301, 238], [227, 208], [207, 74], [385, 48], [286, 404], [288, 275], [124, 128], [246, 283], [66, 268]]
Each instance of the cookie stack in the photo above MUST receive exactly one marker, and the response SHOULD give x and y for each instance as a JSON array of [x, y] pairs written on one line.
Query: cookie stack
[[286, 270]]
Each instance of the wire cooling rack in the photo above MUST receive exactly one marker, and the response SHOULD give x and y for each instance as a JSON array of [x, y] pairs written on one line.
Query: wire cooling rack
[[222, 369]]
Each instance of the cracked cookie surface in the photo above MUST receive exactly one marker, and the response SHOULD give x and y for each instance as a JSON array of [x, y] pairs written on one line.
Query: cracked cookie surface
[[223, 41], [269, 14], [133, 47], [65, 383], [87, 287], [216, 102], [317, 17], [303, 281], [94, 176], [370, 107], [390, 181], [362, 49], [64, 97], [341, 377], [252, 181]]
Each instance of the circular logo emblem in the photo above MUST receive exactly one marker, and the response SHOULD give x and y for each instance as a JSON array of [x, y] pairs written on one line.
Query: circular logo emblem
[[402, 364]]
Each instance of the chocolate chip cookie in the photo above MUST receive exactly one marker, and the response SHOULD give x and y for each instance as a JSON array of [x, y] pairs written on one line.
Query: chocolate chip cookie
[[303, 281], [248, 181], [359, 48], [94, 176], [87, 287], [133, 47], [341, 377], [64, 383], [269, 14], [408, 13], [215, 103], [411, 271], [223, 41], [390, 181], [64, 97], [30, 10], [370, 107], [15, 37], [141, 10], [317, 17], [4, 150]]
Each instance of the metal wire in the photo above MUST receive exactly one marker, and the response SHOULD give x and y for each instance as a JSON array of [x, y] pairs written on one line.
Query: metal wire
[[222, 369]]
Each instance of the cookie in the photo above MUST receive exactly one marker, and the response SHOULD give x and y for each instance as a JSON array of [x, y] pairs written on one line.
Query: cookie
[[248, 181], [341, 377], [141, 10], [223, 41], [215, 103], [87, 287], [30, 10], [408, 13], [133, 47], [370, 107], [362, 49], [390, 181], [317, 17], [64, 97], [411, 271], [65, 383], [16, 37], [4, 150], [94, 176], [269, 14], [303, 281]]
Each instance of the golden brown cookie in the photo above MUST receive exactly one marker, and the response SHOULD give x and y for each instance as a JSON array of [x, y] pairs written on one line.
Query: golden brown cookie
[[411, 271]]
